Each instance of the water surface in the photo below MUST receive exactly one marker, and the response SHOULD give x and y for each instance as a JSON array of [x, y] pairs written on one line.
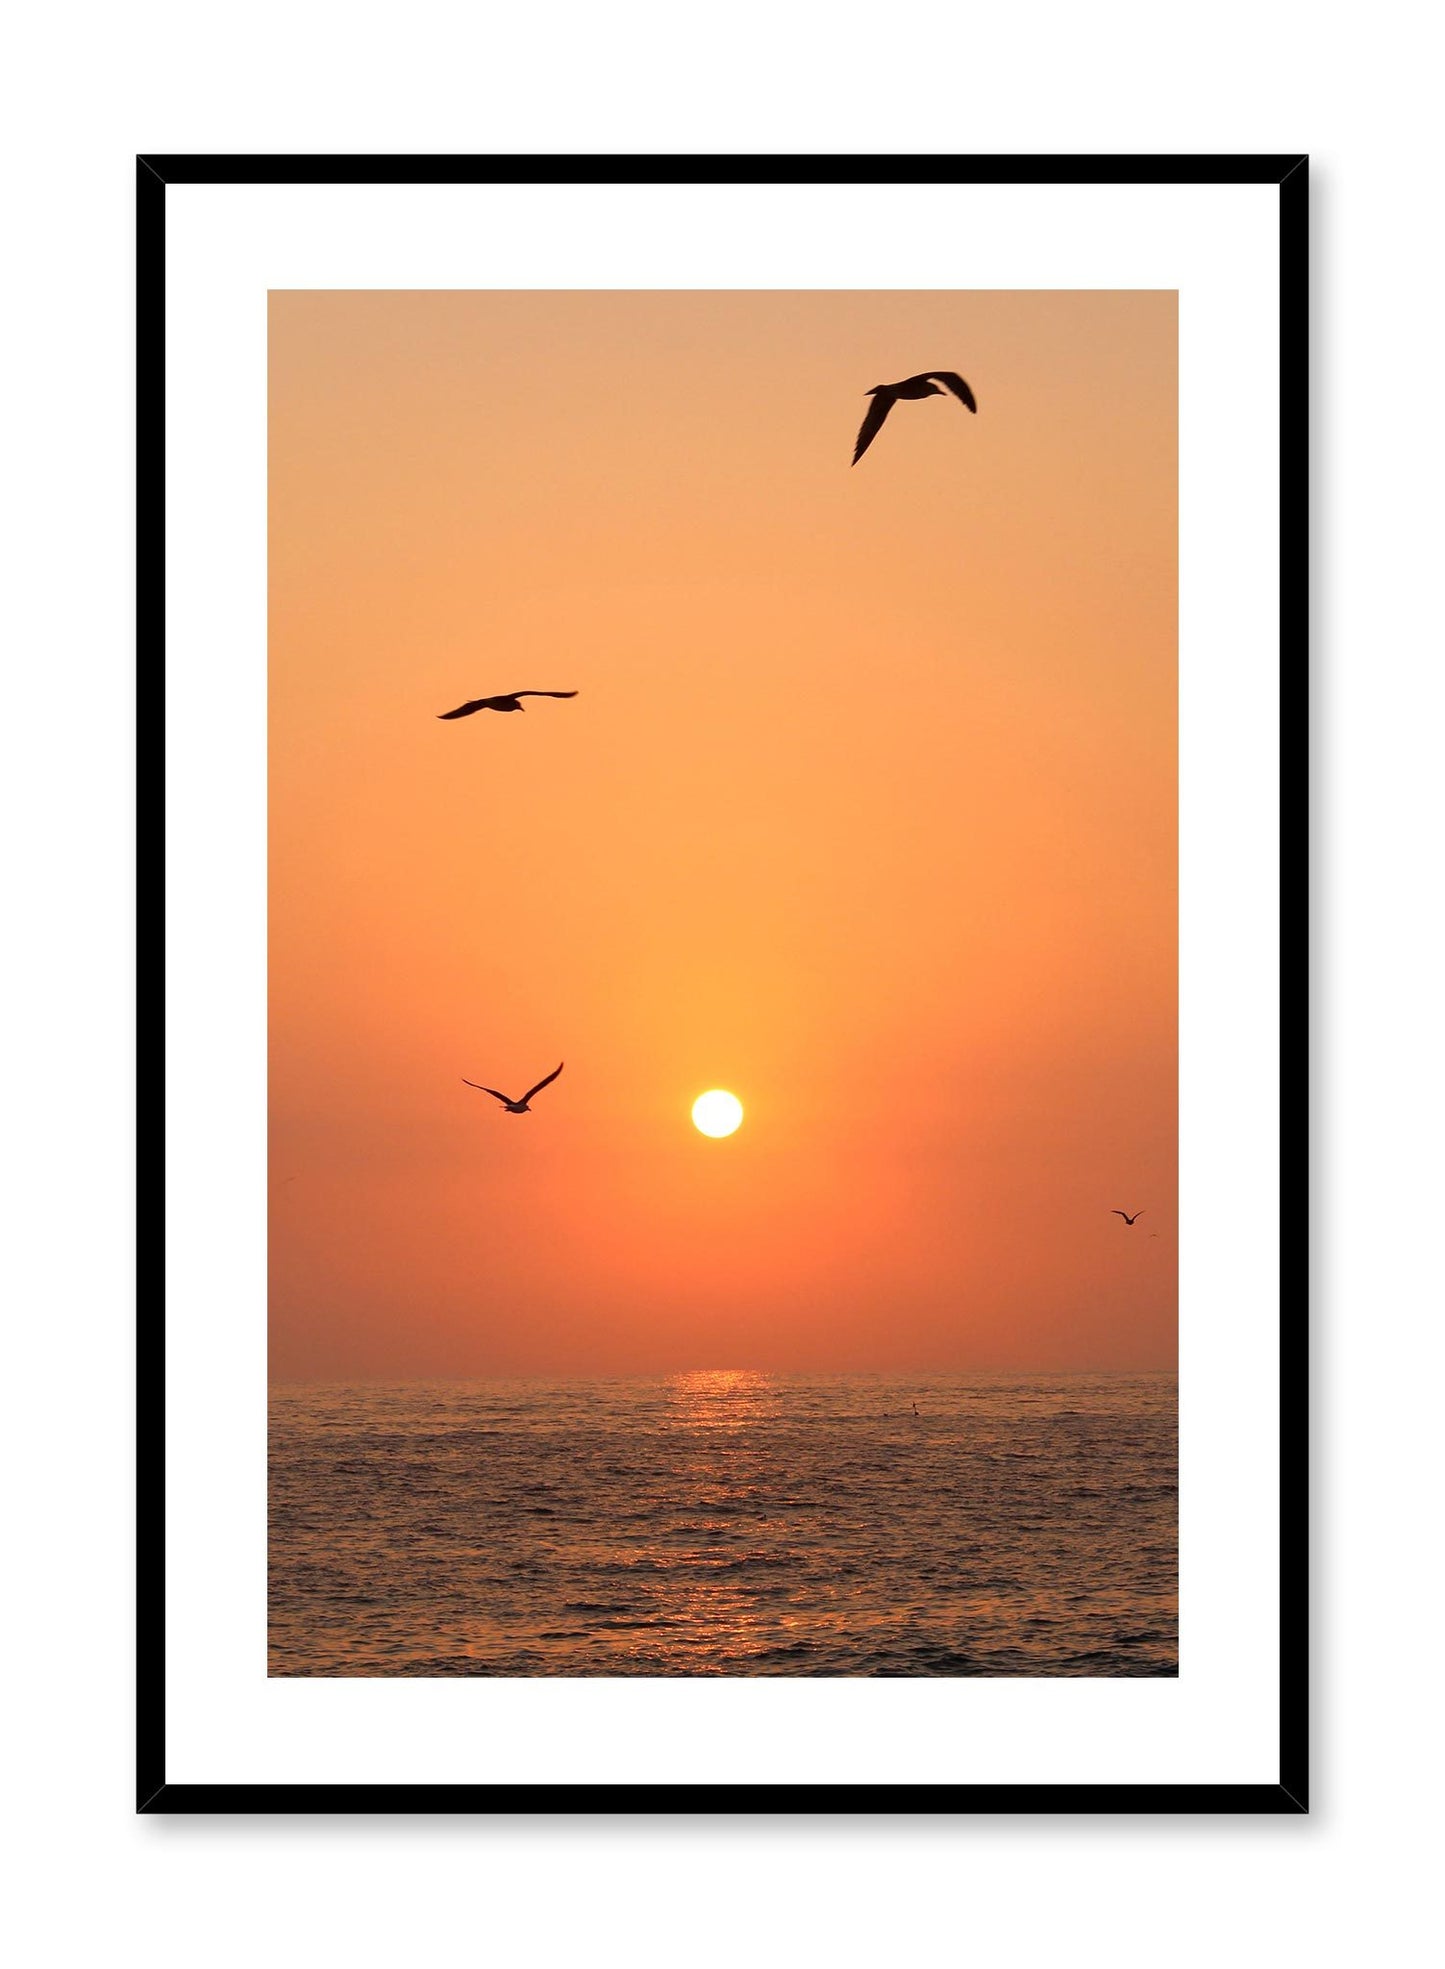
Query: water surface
[[726, 1524]]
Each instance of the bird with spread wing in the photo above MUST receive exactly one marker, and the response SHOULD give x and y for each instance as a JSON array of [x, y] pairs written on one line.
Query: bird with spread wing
[[885, 395], [511, 1106], [506, 701]]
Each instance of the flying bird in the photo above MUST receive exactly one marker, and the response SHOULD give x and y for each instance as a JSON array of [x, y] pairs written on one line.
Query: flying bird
[[508, 701], [515, 1107], [1113, 1213], [885, 395]]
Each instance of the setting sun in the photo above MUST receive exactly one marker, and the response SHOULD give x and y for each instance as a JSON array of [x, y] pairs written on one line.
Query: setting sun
[[716, 1112]]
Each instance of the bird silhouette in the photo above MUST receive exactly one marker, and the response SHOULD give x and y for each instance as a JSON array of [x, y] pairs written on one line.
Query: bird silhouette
[[508, 701], [1125, 1215], [885, 395], [515, 1107]]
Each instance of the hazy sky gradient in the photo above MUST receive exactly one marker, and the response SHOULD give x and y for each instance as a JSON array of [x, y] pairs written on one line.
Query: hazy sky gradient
[[866, 811]]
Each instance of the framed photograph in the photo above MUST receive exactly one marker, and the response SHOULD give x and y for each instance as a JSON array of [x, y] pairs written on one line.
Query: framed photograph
[[730, 783]]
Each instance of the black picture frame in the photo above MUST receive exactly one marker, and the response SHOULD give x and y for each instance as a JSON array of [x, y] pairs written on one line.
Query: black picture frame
[[1290, 1795]]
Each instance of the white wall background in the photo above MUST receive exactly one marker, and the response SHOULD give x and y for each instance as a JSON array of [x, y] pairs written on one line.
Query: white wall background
[[85, 88]]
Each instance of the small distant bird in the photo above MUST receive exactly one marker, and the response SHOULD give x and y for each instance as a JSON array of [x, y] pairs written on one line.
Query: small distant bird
[[508, 701], [885, 395], [515, 1107], [1125, 1215]]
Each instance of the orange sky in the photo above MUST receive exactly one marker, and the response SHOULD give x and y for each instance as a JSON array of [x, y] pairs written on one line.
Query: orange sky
[[866, 811]]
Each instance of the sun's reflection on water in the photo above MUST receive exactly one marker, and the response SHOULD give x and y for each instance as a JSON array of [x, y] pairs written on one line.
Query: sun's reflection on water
[[720, 1398]]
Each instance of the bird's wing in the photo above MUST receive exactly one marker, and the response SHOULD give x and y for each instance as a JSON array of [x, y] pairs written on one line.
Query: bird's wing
[[872, 425], [544, 1083], [466, 710], [486, 1090], [1113, 1213], [542, 693], [955, 383]]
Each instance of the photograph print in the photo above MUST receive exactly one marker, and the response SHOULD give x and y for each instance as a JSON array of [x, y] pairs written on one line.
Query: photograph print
[[723, 933]]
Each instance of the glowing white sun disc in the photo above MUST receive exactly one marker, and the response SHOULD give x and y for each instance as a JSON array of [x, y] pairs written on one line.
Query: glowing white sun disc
[[717, 1112]]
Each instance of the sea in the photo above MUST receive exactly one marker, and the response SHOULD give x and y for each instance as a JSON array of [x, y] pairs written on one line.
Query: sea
[[726, 1523]]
